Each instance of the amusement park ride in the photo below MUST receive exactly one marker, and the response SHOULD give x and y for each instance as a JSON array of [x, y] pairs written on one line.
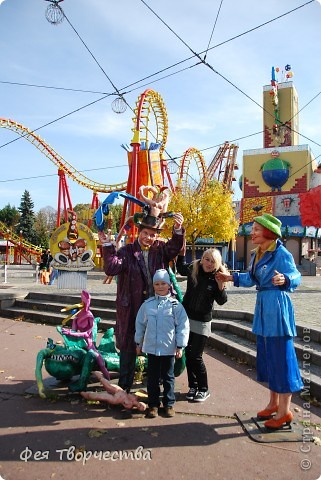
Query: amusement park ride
[[146, 161], [22, 248]]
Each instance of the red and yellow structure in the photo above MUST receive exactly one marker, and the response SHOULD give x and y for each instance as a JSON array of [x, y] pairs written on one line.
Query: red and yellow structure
[[276, 177]]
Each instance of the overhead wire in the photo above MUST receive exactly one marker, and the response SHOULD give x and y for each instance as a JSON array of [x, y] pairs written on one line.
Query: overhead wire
[[54, 121], [209, 42], [125, 165], [85, 106], [55, 174], [197, 55], [8, 180], [121, 95], [55, 88], [93, 56], [221, 75], [177, 63], [186, 59]]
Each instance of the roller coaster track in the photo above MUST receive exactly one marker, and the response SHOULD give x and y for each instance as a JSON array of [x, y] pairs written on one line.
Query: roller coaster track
[[58, 160], [27, 249], [151, 102], [223, 165], [184, 180]]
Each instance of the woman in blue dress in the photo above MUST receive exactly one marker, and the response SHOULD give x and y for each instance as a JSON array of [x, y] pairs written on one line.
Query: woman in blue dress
[[273, 271]]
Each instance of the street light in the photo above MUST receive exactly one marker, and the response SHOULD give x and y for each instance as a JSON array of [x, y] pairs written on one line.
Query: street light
[[7, 247], [54, 13]]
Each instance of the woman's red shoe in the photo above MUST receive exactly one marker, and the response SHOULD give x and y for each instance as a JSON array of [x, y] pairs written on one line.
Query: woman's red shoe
[[267, 412], [275, 424]]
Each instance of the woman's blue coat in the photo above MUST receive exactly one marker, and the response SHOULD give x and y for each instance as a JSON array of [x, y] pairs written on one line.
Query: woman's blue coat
[[273, 315]]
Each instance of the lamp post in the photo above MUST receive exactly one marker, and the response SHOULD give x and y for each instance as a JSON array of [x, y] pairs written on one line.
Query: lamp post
[[7, 248]]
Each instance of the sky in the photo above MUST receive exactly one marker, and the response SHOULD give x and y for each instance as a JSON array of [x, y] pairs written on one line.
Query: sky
[[105, 46]]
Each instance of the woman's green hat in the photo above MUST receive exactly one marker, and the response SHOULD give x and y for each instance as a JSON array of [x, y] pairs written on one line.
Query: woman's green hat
[[271, 223]]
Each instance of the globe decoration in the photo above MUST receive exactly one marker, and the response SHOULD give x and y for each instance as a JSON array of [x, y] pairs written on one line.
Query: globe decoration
[[275, 173], [172, 167]]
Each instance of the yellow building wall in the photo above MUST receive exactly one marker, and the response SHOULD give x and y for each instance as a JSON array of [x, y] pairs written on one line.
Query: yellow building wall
[[288, 107], [301, 162]]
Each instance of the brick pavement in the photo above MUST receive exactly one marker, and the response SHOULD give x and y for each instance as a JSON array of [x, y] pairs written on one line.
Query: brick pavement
[[42, 439], [203, 439]]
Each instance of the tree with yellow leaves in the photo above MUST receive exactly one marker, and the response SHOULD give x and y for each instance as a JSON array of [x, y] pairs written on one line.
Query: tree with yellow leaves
[[207, 213]]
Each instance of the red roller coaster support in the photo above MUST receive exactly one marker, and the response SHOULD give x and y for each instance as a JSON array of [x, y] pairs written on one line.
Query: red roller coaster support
[[94, 206], [64, 196], [164, 170], [132, 186]]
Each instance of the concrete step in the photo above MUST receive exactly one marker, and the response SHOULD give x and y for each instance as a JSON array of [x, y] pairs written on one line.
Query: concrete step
[[69, 299], [308, 334], [23, 266], [231, 330], [304, 345], [24, 271], [237, 340], [33, 311], [46, 308], [241, 348], [48, 318], [21, 274]]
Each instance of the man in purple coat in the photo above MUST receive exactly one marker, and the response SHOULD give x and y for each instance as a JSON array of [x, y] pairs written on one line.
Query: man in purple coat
[[135, 265]]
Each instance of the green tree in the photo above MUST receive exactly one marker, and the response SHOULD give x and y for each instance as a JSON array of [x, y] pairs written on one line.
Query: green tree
[[9, 215], [45, 224], [207, 213], [85, 213], [116, 212], [27, 218]]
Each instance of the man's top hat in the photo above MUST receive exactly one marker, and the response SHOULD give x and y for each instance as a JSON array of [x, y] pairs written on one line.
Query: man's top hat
[[142, 220]]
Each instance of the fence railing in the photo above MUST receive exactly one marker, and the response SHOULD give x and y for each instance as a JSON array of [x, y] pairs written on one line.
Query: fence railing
[[19, 273]]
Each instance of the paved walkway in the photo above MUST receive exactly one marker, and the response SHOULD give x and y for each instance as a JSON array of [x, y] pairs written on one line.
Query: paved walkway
[[65, 437]]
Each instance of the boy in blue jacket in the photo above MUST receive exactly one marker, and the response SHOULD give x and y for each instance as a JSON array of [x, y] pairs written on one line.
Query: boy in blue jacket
[[162, 330]]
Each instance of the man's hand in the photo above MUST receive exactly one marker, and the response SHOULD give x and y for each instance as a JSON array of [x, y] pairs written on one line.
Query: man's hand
[[104, 237]]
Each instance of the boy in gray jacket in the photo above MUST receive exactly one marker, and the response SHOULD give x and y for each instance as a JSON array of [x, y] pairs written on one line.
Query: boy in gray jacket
[[162, 330]]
